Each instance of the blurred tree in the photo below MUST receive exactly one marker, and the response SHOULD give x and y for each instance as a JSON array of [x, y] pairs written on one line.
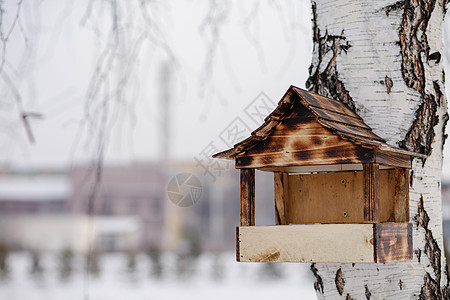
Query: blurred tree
[[187, 253], [4, 253], [217, 266], [92, 260], [131, 265], [156, 267], [66, 258], [36, 269]]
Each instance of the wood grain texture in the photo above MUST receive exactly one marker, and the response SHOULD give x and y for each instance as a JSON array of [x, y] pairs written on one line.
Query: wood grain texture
[[247, 197], [325, 103], [338, 117], [320, 168], [357, 131], [281, 196], [336, 197], [238, 256], [306, 243], [325, 156], [393, 242], [351, 243], [371, 193], [301, 140], [393, 159], [286, 195], [326, 198], [401, 195]]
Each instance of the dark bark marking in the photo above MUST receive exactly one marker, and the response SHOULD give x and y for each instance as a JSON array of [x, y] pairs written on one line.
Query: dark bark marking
[[327, 82], [444, 135], [422, 217], [446, 289], [400, 284], [318, 285], [438, 93], [441, 101], [414, 45], [418, 254], [434, 253], [430, 290], [367, 292], [436, 56], [446, 292], [447, 275], [394, 7], [432, 287], [389, 84], [339, 281], [348, 297], [421, 134]]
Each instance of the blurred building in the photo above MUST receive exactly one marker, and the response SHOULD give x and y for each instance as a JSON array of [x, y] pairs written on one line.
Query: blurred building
[[33, 213], [129, 204], [33, 193], [127, 210]]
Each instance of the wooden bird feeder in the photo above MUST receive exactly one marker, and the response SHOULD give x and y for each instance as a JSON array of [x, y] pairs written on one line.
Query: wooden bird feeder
[[341, 193]]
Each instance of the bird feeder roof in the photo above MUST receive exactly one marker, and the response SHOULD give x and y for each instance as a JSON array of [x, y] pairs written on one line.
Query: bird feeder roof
[[308, 129]]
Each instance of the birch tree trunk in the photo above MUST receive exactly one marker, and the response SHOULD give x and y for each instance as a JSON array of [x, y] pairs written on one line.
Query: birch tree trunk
[[383, 58]]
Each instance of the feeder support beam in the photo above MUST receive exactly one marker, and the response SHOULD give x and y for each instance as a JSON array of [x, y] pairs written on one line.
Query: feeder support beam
[[247, 197], [371, 197]]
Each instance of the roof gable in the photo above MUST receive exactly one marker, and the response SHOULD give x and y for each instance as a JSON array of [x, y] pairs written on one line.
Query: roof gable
[[303, 123]]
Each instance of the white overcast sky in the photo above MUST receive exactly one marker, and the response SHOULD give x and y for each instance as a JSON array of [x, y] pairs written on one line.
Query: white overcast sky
[[263, 53]]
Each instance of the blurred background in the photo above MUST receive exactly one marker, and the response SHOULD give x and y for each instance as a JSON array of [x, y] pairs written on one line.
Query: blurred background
[[109, 114]]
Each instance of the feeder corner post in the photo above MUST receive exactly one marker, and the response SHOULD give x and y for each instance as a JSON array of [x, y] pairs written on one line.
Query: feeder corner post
[[371, 192], [247, 198]]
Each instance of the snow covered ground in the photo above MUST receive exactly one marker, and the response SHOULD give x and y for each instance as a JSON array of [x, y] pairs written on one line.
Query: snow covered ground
[[213, 278]]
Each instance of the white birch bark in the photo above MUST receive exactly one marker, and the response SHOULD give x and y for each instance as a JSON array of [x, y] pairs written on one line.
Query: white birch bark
[[384, 59]]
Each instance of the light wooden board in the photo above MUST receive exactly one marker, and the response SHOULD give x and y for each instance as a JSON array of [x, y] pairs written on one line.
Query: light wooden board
[[349, 243], [336, 197]]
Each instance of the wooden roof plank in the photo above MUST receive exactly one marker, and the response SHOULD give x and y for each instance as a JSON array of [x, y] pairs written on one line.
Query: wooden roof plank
[[325, 103], [337, 117], [280, 112], [351, 130]]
